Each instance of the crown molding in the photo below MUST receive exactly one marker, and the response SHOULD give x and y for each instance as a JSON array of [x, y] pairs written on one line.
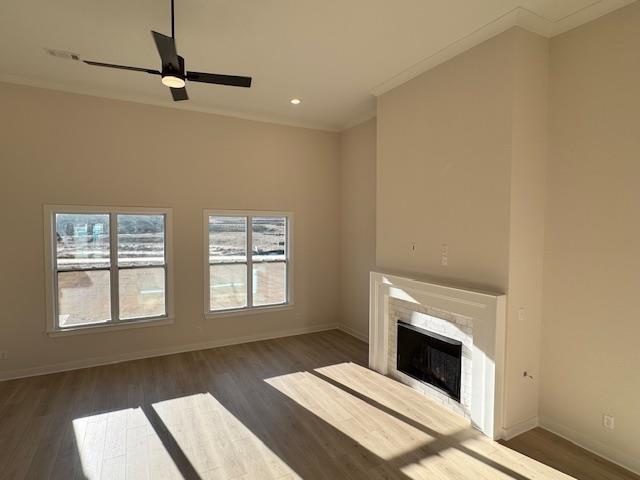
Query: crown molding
[[92, 92], [584, 15], [357, 121], [518, 17]]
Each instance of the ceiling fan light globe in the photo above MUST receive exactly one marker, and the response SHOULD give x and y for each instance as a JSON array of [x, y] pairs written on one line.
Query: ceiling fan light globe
[[173, 81]]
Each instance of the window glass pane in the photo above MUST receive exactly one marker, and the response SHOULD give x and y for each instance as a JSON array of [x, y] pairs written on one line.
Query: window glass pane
[[82, 241], [140, 240], [269, 283], [269, 237], [227, 239], [228, 286], [142, 292], [84, 297]]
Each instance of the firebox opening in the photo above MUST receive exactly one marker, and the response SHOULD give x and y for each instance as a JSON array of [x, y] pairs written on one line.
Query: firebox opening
[[430, 358]]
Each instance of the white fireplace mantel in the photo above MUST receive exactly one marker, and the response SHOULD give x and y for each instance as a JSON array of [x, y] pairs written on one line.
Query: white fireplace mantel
[[488, 313]]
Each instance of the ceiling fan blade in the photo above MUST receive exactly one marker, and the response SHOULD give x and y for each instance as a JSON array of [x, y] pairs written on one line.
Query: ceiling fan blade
[[231, 80], [167, 49], [121, 67], [179, 94]]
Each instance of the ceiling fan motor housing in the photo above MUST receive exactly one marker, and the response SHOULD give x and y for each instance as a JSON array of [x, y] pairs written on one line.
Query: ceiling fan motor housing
[[171, 70]]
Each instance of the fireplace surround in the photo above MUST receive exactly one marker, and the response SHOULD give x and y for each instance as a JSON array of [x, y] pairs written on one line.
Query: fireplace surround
[[473, 318]]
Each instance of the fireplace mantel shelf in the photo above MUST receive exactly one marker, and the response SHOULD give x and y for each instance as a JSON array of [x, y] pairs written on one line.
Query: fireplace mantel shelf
[[446, 283]]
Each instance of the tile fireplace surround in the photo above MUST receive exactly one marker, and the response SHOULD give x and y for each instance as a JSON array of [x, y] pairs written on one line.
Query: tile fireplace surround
[[474, 318]]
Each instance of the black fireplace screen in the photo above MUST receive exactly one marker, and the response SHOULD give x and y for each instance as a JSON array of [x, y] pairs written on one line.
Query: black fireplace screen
[[430, 358]]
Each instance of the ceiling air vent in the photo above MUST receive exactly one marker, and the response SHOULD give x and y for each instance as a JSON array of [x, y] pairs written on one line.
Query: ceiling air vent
[[62, 54]]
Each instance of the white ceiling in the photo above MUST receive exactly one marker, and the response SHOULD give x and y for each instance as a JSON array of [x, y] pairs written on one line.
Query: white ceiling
[[331, 53]]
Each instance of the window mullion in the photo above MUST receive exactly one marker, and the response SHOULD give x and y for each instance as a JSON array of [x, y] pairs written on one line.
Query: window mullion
[[249, 262], [286, 259], [167, 300], [54, 253], [113, 263]]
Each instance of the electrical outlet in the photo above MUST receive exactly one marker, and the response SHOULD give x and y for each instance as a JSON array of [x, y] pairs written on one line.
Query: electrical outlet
[[4, 355], [521, 314], [445, 255], [608, 421]]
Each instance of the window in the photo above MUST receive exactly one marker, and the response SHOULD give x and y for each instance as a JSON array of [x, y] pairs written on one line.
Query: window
[[248, 260], [107, 266]]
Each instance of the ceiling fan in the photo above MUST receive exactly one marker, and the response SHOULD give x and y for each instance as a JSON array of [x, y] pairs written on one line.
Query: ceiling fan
[[173, 71]]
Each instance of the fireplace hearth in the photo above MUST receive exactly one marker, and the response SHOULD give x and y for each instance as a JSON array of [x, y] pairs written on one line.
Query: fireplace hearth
[[430, 358]]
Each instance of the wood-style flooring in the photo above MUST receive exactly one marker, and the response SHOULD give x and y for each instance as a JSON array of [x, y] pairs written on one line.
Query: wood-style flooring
[[296, 407], [566, 457]]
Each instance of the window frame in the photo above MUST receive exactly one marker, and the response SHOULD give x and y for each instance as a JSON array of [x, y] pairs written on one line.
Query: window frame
[[51, 272], [249, 309]]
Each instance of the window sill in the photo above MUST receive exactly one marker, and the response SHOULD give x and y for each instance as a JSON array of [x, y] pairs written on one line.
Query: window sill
[[123, 325], [248, 311]]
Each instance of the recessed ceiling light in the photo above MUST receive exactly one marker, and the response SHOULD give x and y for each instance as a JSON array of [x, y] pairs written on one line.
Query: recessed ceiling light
[[295, 101]]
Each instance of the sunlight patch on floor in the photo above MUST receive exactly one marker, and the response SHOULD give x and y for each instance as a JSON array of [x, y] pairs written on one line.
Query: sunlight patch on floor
[[375, 430], [397, 397], [457, 449], [196, 428], [119, 444], [216, 443]]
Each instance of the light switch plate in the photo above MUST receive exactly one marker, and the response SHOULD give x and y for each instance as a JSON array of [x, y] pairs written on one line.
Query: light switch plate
[[445, 255]]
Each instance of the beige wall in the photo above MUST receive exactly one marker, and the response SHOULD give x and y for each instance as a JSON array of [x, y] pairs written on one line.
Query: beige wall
[[60, 148], [461, 161], [526, 227], [444, 147], [522, 155], [590, 353], [358, 224]]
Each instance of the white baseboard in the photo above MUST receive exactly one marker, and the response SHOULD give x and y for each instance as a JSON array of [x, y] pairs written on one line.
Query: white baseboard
[[630, 462], [519, 428], [158, 352], [354, 333]]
